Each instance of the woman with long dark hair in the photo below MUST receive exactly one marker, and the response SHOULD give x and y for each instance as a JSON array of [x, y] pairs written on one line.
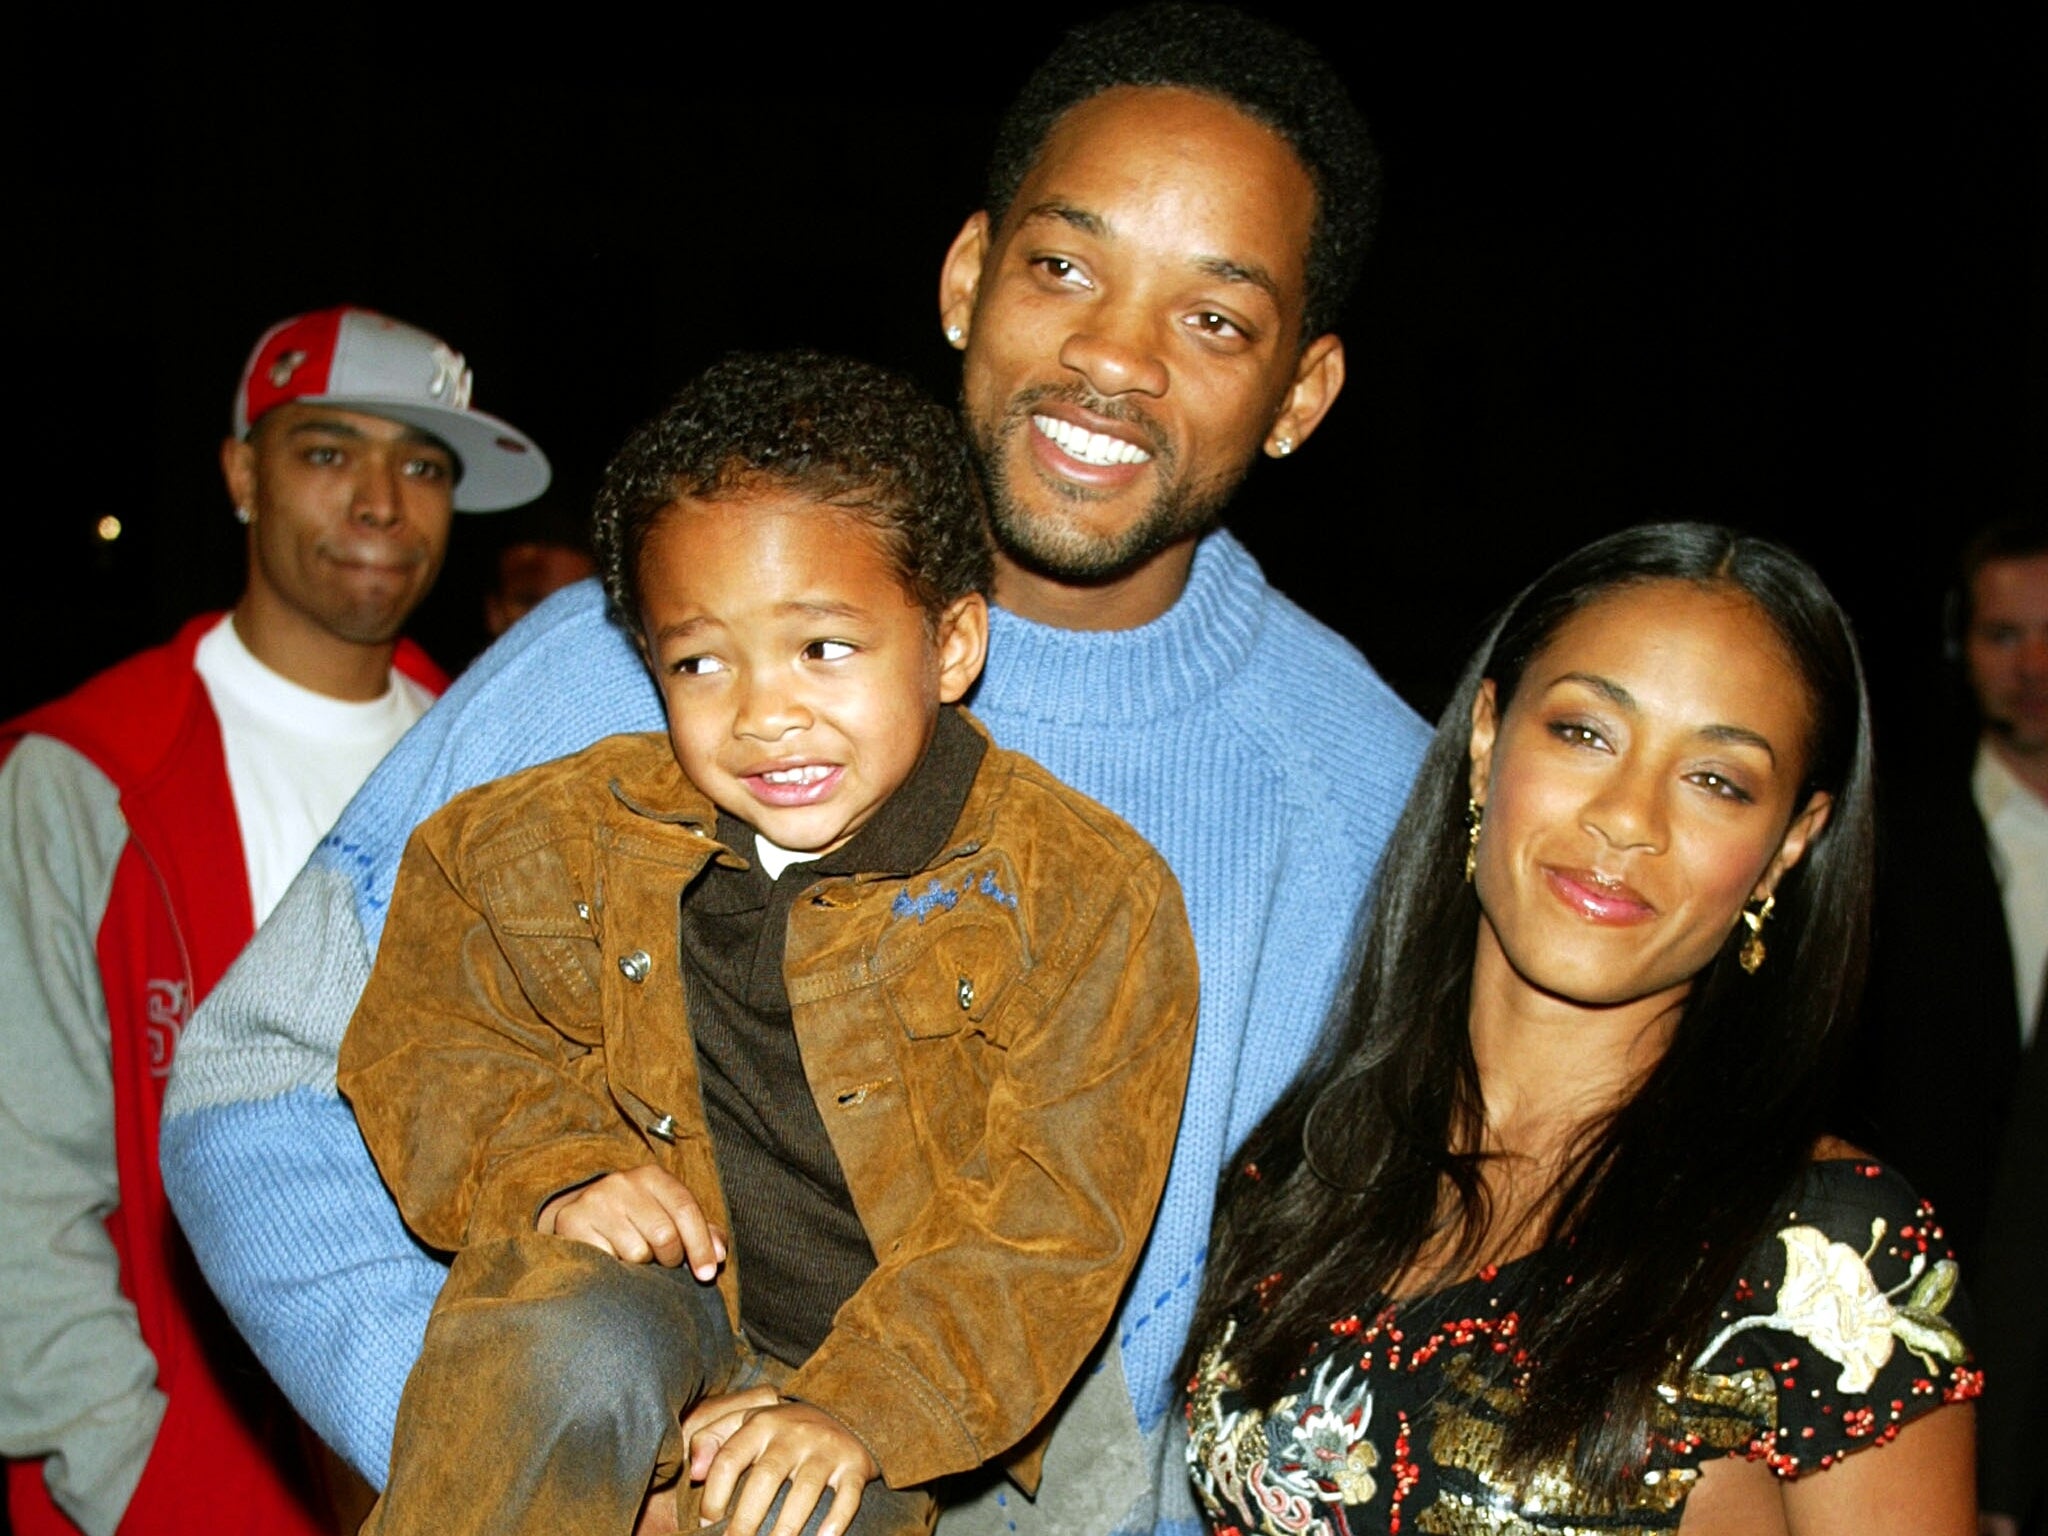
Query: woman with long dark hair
[[1548, 1238]]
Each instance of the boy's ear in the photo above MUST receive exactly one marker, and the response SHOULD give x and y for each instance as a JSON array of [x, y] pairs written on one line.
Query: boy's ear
[[963, 646]]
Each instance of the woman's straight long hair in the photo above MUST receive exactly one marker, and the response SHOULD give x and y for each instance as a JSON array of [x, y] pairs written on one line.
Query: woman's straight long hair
[[1344, 1183]]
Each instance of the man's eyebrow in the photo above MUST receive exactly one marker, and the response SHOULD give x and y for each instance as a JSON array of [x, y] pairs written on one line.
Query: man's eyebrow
[[1240, 272], [1737, 735], [327, 426], [334, 426], [1066, 213]]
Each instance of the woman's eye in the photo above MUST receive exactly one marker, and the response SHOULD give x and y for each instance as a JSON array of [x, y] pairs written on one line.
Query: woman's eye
[[828, 650], [1725, 787], [1576, 733], [697, 666]]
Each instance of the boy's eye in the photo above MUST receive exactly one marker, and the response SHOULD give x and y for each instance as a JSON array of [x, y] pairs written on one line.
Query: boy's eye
[[697, 666], [323, 455], [828, 650], [429, 468]]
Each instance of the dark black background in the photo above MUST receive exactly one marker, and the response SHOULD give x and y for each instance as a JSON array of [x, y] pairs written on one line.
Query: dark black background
[[1779, 268]]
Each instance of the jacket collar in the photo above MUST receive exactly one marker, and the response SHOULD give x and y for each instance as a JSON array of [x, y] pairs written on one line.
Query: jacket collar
[[647, 783]]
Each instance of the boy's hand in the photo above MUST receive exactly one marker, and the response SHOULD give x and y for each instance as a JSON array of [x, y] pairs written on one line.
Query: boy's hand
[[776, 1442], [640, 1215]]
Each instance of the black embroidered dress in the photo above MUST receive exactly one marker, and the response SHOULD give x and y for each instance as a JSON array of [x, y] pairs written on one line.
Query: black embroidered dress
[[1841, 1329]]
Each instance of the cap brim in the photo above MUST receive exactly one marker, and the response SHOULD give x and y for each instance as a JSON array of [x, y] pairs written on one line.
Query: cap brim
[[501, 466]]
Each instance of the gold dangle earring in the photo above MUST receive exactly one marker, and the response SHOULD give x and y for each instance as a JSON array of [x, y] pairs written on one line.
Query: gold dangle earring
[[1475, 813], [1751, 955]]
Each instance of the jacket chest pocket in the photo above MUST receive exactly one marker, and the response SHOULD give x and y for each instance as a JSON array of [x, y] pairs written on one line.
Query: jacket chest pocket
[[959, 981], [546, 934]]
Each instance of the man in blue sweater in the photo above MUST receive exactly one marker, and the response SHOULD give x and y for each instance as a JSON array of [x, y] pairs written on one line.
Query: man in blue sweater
[[1177, 205]]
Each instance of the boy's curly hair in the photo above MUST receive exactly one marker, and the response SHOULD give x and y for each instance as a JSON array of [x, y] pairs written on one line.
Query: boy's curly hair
[[833, 430]]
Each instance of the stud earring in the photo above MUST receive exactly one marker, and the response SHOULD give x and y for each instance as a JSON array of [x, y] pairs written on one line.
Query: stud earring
[[955, 335], [242, 516], [1475, 813], [1282, 446], [1751, 955]]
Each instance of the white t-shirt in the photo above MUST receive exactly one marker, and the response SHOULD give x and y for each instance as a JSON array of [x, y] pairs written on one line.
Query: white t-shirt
[[2017, 820], [295, 757]]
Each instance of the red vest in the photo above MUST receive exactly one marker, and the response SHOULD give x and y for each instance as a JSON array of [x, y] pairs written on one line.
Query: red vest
[[228, 1457]]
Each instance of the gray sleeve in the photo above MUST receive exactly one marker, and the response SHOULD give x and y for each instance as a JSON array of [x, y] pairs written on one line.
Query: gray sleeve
[[77, 1383]]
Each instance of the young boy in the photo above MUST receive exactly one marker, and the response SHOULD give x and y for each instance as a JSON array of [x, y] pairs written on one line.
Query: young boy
[[825, 968]]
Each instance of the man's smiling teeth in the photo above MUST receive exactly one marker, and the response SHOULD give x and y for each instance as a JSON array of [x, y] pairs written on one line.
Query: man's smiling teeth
[[1089, 447], [810, 773]]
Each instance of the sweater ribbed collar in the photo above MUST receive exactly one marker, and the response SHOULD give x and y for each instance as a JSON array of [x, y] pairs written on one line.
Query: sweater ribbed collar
[[1174, 663]]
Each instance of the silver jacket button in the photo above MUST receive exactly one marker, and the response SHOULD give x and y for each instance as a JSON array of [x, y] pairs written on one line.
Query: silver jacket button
[[665, 1128], [636, 966], [966, 993], [583, 910]]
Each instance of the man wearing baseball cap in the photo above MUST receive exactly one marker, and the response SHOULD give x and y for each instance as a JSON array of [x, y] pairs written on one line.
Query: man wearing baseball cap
[[148, 822]]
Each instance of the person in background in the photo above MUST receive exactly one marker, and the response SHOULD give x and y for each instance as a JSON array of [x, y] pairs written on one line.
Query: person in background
[[540, 550], [1946, 1081], [148, 822]]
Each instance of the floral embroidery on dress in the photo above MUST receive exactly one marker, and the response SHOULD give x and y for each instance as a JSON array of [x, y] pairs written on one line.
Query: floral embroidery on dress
[[1830, 1300]]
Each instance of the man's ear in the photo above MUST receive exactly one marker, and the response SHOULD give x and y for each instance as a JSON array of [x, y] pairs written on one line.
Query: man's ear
[[960, 279], [238, 469], [1806, 826], [963, 646], [1485, 726], [1318, 380]]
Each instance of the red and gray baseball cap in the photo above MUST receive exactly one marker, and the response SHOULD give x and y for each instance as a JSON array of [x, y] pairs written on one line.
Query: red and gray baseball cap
[[363, 361]]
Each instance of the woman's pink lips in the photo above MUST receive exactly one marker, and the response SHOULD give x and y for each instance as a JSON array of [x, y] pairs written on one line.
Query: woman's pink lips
[[785, 795], [1595, 899]]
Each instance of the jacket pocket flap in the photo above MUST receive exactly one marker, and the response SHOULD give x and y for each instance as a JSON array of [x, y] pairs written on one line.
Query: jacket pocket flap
[[537, 896], [544, 930], [957, 981]]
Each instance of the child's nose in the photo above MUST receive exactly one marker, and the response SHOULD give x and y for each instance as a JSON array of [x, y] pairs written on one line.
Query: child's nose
[[769, 710]]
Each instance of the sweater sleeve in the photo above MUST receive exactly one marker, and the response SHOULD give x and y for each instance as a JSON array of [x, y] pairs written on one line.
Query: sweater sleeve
[[261, 1157], [77, 1382]]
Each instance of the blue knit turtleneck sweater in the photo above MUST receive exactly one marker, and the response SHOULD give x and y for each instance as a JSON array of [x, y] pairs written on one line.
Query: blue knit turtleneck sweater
[[1253, 747]]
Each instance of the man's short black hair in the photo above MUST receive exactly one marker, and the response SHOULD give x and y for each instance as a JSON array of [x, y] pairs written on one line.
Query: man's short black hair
[[829, 429], [1270, 75]]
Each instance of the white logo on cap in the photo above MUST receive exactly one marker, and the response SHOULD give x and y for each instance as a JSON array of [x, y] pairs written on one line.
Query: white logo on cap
[[451, 378], [286, 365]]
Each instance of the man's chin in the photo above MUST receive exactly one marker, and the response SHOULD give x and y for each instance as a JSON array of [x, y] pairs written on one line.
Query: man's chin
[[1091, 563]]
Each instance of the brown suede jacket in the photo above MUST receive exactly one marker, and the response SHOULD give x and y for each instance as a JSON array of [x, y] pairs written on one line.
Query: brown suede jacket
[[999, 1047]]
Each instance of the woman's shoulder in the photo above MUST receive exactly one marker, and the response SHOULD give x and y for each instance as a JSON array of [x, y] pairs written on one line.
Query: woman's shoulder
[[1846, 1319]]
